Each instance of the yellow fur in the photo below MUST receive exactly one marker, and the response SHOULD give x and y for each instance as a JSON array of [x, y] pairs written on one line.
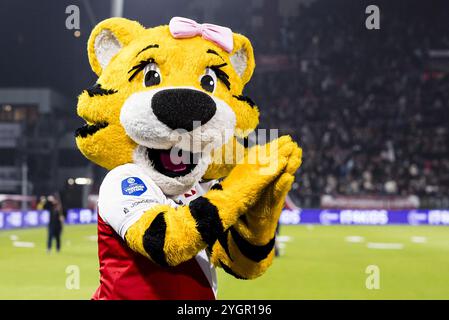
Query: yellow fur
[[134, 234], [263, 217], [244, 184], [225, 159], [182, 240], [262, 220], [239, 264]]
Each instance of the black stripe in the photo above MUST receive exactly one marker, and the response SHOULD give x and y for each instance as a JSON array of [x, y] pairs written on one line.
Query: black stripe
[[97, 90], [223, 240], [251, 251], [246, 142], [210, 250], [207, 220], [89, 129], [154, 240], [244, 219], [229, 271], [217, 186], [246, 99]]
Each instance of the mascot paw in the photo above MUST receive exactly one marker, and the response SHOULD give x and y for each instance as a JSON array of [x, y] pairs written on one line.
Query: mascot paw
[[295, 160], [261, 166], [273, 197], [262, 218]]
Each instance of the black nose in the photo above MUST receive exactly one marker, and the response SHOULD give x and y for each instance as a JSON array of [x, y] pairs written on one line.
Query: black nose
[[179, 108]]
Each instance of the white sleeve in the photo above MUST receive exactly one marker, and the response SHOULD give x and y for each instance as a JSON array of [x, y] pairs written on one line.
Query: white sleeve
[[125, 195]]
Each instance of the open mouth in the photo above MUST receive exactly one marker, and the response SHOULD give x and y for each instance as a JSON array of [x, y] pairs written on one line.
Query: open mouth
[[89, 129], [173, 162]]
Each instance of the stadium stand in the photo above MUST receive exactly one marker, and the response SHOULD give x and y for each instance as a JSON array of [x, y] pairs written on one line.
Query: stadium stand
[[367, 106]]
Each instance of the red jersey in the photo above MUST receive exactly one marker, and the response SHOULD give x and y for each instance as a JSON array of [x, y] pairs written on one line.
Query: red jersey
[[125, 274]]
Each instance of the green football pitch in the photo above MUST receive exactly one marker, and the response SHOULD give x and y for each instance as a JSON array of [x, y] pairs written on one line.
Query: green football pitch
[[317, 262]]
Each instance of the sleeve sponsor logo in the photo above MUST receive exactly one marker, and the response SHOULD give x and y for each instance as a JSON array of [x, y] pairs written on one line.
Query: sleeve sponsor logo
[[133, 186], [139, 202]]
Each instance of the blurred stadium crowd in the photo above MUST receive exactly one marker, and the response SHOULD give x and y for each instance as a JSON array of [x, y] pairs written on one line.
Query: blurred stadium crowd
[[369, 108]]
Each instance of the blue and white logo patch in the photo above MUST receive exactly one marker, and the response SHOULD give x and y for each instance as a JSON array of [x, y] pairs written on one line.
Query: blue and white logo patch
[[133, 186]]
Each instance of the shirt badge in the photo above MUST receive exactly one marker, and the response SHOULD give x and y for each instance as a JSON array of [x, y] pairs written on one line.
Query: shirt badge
[[133, 186]]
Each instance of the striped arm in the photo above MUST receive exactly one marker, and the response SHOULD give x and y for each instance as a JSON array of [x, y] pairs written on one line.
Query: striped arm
[[246, 249], [169, 236], [240, 257]]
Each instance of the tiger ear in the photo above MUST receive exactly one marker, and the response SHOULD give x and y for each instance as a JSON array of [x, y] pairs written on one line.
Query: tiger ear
[[242, 57], [108, 38]]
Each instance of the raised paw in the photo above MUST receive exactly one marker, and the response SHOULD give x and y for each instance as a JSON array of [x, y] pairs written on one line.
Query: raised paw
[[294, 160]]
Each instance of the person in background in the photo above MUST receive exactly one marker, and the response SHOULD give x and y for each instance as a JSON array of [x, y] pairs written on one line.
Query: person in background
[[277, 251], [53, 206], [42, 201]]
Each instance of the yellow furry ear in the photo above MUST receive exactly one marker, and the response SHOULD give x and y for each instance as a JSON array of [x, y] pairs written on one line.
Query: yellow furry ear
[[242, 57], [107, 38]]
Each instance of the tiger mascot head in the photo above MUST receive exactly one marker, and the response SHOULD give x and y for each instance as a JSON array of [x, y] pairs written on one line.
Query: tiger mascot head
[[165, 101]]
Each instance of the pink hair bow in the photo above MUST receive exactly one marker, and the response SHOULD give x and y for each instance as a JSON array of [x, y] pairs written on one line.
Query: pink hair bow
[[187, 28]]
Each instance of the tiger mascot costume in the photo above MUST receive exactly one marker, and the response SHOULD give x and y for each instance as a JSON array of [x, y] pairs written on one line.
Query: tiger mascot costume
[[174, 207]]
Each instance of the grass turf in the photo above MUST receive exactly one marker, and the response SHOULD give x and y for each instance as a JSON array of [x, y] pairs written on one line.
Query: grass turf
[[318, 263]]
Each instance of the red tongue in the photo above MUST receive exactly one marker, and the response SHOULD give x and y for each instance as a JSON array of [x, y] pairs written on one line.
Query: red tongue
[[167, 159]]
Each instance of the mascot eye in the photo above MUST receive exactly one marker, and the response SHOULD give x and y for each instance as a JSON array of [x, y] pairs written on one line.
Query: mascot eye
[[209, 80], [152, 75]]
